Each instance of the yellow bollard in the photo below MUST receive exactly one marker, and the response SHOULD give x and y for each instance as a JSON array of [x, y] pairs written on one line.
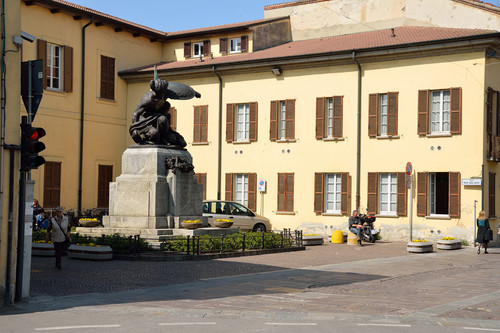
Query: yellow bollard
[[352, 239], [338, 237]]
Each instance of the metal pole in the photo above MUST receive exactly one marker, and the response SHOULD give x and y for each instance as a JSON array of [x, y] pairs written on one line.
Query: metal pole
[[474, 220], [410, 203]]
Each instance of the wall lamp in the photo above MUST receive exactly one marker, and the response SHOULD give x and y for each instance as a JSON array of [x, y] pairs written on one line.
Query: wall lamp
[[276, 71]]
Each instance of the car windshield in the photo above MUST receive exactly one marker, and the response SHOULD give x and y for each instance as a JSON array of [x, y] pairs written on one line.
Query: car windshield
[[221, 207]]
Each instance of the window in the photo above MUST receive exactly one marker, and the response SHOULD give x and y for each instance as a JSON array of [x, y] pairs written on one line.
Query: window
[[242, 188], [331, 193], [107, 78], [383, 114], [104, 178], [282, 120], [200, 123], [285, 192], [491, 194], [58, 65], [329, 113], [202, 179], [235, 45], [438, 193], [197, 49], [52, 184], [440, 111], [387, 193], [241, 122]]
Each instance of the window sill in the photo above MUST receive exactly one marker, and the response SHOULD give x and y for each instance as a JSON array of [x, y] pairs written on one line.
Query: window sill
[[106, 100], [331, 214], [285, 213], [242, 142], [387, 215], [199, 143], [286, 140], [54, 90], [334, 139], [438, 217], [387, 137], [439, 135]]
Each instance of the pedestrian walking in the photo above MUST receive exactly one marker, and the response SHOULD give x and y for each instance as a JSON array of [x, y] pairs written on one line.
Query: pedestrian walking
[[484, 232], [58, 233]]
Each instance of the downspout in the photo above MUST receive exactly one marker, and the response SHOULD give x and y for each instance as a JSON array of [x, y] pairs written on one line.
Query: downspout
[[219, 138], [3, 102], [82, 113], [358, 147]]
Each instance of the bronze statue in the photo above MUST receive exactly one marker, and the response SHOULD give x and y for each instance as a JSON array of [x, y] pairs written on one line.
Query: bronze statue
[[151, 119]]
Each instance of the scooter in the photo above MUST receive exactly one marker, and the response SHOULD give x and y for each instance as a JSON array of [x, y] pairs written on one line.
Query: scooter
[[368, 232]]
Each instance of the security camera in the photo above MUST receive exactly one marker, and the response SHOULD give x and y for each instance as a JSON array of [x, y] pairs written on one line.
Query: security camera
[[28, 37]]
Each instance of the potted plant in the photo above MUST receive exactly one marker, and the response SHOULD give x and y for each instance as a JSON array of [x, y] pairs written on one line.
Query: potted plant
[[449, 243], [419, 246], [89, 222], [41, 248], [223, 223], [90, 251], [191, 224]]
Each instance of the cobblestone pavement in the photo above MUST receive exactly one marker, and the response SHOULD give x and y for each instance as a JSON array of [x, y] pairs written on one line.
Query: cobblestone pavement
[[380, 279]]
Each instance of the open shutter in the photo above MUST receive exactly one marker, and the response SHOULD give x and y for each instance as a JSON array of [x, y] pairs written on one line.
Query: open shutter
[[253, 121], [338, 107], [454, 191], [392, 113], [290, 119], [423, 112], [230, 122], [422, 193], [229, 187], [206, 48], [273, 126], [187, 50], [223, 46], [252, 191], [68, 69], [456, 110], [244, 43], [319, 192], [320, 117], [42, 54], [345, 194], [401, 201], [372, 193], [373, 115]]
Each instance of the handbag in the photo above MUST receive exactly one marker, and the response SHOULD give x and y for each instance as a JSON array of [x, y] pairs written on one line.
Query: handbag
[[488, 235]]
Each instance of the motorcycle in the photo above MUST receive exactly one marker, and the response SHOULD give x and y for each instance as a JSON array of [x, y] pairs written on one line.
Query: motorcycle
[[368, 232]]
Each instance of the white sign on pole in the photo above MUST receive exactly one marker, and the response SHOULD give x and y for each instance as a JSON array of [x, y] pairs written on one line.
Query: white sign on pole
[[262, 185]]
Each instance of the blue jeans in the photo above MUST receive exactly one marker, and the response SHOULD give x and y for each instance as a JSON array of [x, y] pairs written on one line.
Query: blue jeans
[[355, 231]]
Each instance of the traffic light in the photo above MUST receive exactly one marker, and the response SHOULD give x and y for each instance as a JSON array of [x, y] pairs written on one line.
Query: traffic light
[[30, 146]]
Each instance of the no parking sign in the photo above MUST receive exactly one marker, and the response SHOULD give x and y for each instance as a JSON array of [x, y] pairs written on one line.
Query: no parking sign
[[262, 185]]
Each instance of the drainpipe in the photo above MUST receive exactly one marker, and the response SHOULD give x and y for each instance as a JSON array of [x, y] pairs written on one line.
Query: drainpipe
[[82, 113], [358, 147], [219, 139]]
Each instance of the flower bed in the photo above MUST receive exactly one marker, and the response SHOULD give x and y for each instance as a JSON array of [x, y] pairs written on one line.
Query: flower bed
[[449, 243], [90, 251], [42, 249], [419, 246]]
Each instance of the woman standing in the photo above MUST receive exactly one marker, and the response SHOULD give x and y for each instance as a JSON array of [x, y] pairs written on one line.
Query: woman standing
[[58, 233], [483, 227]]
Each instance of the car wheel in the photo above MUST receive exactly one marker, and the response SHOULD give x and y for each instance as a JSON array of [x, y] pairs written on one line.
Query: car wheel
[[259, 227]]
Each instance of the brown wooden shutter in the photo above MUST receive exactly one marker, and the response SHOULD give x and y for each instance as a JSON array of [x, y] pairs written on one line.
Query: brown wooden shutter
[[290, 119], [173, 117], [498, 113], [345, 194], [422, 187], [281, 192], [105, 176], [489, 111], [401, 188], [273, 121], [223, 46], [244, 43], [338, 107], [456, 110], [372, 202], [206, 48], [202, 179], [230, 122], [289, 192], [52, 184], [197, 124], [107, 77], [319, 192], [320, 117], [392, 113], [204, 123], [423, 112], [454, 191], [373, 115], [42, 54], [252, 191], [68, 69], [491, 194], [253, 121], [229, 187], [187, 50]]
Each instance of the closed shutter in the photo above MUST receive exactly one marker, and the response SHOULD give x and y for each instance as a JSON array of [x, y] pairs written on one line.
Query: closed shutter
[[42, 54], [204, 124], [489, 111], [230, 122], [206, 48], [252, 191], [498, 113], [372, 193], [373, 115], [320, 117], [423, 112], [173, 117], [319, 192], [223, 46], [281, 192], [197, 124], [401, 188], [392, 113], [290, 119], [454, 191], [273, 121], [105, 176], [244, 43], [285, 192], [345, 194], [253, 121], [187, 50], [289, 192], [107, 77], [52, 184], [229, 187], [68, 69], [456, 110], [338, 107], [422, 193], [491, 194]]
